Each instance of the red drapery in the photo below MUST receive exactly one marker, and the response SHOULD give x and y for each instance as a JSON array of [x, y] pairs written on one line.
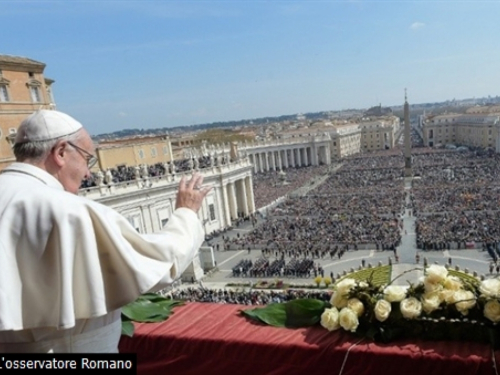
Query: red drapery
[[204, 338]]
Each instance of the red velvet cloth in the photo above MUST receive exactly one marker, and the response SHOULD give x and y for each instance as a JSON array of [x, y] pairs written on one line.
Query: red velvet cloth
[[203, 338]]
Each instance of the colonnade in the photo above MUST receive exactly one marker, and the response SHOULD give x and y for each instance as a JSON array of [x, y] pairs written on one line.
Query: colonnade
[[267, 159], [237, 198]]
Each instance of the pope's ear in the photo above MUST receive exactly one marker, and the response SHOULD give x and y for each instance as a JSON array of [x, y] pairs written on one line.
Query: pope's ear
[[60, 152]]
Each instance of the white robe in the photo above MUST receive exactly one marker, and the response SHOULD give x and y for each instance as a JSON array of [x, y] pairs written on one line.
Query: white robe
[[65, 260]]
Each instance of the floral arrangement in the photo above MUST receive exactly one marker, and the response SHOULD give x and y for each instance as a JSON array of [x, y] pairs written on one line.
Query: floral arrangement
[[446, 304]]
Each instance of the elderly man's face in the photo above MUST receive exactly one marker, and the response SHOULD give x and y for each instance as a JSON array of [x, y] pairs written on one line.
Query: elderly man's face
[[76, 169]]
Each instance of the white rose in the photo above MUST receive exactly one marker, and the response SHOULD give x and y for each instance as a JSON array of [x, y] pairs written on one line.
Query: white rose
[[348, 319], [452, 283], [436, 273], [465, 300], [447, 295], [394, 293], [432, 287], [382, 310], [490, 288], [338, 300], [363, 284], [344, 286], [330, 319], [431, 302], [356, 305], [492, 311], [411, 308]]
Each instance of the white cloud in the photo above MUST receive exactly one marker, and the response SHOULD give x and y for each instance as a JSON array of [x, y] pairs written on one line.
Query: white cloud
[[417, 25]]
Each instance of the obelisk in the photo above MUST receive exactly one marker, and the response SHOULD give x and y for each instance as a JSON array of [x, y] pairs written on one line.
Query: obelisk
[[407, 151]]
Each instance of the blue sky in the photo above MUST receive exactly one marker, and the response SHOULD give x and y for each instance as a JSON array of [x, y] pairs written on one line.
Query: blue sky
[[148, 64]]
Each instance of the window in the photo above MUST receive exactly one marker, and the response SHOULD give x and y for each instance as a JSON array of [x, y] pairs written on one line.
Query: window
[[141, 154], [211, 208], [165, 150], [135, 221], [153, 152], [35, 94], [4, 94]]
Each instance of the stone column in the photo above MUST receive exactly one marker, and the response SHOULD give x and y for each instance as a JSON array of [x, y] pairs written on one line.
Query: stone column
[[280, 164], [286, 158], [252, 158], [233, 204], [299, 159], [314, 155], [227, 212], [306, 158], [243, 195], [250, 196], [273, 160], [266, 157], [292, 157]]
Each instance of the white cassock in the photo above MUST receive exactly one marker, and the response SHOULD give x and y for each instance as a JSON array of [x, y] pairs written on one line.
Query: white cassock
[[68, 264]]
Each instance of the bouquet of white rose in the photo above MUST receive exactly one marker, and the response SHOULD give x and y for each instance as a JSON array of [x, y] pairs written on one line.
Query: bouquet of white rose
[[446, 304]]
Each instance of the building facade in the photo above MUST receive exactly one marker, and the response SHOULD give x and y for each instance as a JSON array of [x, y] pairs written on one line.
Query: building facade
[[346, 140], [134, 151], [474, 130], [23, 90], [149, 202], [379, 134]]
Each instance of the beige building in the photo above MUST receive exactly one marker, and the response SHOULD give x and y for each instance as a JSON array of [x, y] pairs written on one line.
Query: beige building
[[346, 140], [23, 90], [379, 134], [364, 136], [134, 151], [472, 129]]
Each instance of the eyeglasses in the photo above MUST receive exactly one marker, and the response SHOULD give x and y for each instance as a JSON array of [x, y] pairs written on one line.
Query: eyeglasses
[[91, 159]]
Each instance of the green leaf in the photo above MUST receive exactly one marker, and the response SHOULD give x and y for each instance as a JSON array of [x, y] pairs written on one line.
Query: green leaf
[[153, 297], [169, 303], [273, 314], [128, 328], [292, 314], [146, 311], [304, 312]]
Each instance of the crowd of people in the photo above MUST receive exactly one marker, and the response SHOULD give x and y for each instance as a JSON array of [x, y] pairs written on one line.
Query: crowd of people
[[354, 206], [264, 267], [454, 199], [125, 173], [361, 203], [271, 185], [253, 297]]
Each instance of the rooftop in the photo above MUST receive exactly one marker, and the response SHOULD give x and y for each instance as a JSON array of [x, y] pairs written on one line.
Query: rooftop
[[9, 59]]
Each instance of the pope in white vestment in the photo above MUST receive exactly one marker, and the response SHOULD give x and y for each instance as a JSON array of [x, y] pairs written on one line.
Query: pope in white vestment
[[67, 264]]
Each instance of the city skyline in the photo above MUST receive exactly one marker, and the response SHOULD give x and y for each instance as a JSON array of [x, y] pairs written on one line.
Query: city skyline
[[154, 64]]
